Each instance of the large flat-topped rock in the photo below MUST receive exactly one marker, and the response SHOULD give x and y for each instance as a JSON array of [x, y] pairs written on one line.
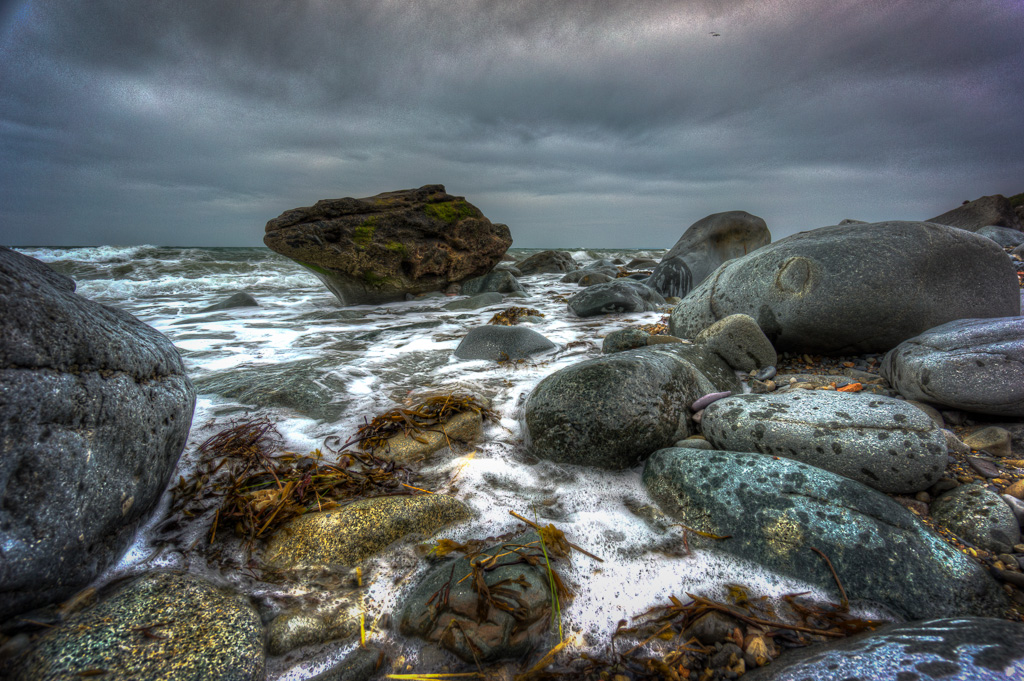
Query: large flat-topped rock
[[378, 249]]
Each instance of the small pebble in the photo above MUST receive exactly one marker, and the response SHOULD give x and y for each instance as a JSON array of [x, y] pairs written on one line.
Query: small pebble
[[1009, 560], [983, 466], [766, 373], [923, 496]]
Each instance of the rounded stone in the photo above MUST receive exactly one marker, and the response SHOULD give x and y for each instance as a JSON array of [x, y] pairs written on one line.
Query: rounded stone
[[502, 343], [979, 516]]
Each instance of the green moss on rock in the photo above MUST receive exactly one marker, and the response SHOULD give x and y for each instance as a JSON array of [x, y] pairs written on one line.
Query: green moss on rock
[[449, 211]]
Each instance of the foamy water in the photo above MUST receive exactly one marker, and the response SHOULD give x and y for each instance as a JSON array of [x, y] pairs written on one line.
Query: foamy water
[[320, 369]]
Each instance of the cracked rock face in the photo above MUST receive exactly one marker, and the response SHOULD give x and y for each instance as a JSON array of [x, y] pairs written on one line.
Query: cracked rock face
[[775, 510], [856, 288], [971, 364], [95, 408], [882, 442]]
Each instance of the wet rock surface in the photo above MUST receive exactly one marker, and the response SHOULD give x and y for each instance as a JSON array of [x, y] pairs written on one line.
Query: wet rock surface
[[971, 364], [808, 295], [502, 343], [954, 649], [361, 529], [979, 516], [739, 341], [96, 409], [379, 248], [879, 441], [547, 262], [671, 277], [774, 510], [497, 281], [463, 427], [621, 295], [240, 299], [161, 626], [475, 302]]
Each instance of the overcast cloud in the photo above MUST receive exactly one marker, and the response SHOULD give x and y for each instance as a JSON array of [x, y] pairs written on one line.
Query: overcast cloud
[[578, 123]]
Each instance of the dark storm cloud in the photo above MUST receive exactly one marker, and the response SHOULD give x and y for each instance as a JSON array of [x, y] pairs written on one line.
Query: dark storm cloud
[[578, 123]]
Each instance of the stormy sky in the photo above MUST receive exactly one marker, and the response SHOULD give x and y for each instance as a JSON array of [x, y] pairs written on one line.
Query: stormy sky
[[610, 123]]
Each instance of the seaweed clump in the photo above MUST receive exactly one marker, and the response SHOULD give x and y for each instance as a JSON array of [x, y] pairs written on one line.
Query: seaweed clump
[[426, 415], [511, 316], [255, 487]]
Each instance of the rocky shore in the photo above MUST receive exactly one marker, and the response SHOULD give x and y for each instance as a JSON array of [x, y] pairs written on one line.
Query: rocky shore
[[844, 407]]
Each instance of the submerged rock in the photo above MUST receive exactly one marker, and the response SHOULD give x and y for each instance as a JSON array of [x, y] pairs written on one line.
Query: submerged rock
[[879, 441], [196, 631], [379, 248], [95, 411], [347, 535], [971, 364], [960, 649], [809, 293], [493, 633], [719, 237], [240, 299], [775, 510], [615, 410]]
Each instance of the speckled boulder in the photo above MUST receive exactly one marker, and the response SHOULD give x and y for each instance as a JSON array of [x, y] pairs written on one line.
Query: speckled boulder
[[879, 441], [960, 649], [198, 631], [624, 339], [809, 293], [95, 408], [740, 342], [621, 295], [498, 633], [495, 343], [971, 364], [775, 510], [613, 411], [347, 535], [719, 237], [979, 516]]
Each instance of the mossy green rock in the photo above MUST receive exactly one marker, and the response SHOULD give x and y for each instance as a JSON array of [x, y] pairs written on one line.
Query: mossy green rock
[[197, 632], [776, 510], [380, 248], [362, 529]]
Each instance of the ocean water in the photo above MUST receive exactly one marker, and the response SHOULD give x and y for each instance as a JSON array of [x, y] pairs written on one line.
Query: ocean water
[[319, 369]]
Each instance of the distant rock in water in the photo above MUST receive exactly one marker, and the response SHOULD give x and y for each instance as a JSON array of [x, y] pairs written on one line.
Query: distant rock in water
[[240, 299], [380, 248], [719, 237], [547, 262], [95, 410]]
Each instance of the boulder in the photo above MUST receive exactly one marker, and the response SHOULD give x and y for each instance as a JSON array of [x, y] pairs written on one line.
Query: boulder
[[349, 534], [592, 270], [641, 264], [988, 210], [95, 410], [498, 281], [740, 342], [547, 262], [379, 248], [719, 237], [475, 302], [955, 649], [775, 510], [621, 295], [240, 299], [491, 633], [500, 343], [289, 631], [879, 441], [615, 410], [672, 277], [978, 515], [591, 278], [161, 626], [856, 288], [1004, 236], [624, 339], [971, 364]]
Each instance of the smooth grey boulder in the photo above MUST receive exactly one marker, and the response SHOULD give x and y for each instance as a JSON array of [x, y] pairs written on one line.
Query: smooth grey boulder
[[988, 210], [971, 364], [671, 277], [547, 262], [740, 342], [856, 288], [240, 299], [775, 510], [978, 515], [621, 295], [641, 264], [592, 278], [880, 441], [196, 631], [719, 237], [952, 649], [95, 408], [613, 411], [474, 302], [1004, 236], [502, 343], [497, 281]]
